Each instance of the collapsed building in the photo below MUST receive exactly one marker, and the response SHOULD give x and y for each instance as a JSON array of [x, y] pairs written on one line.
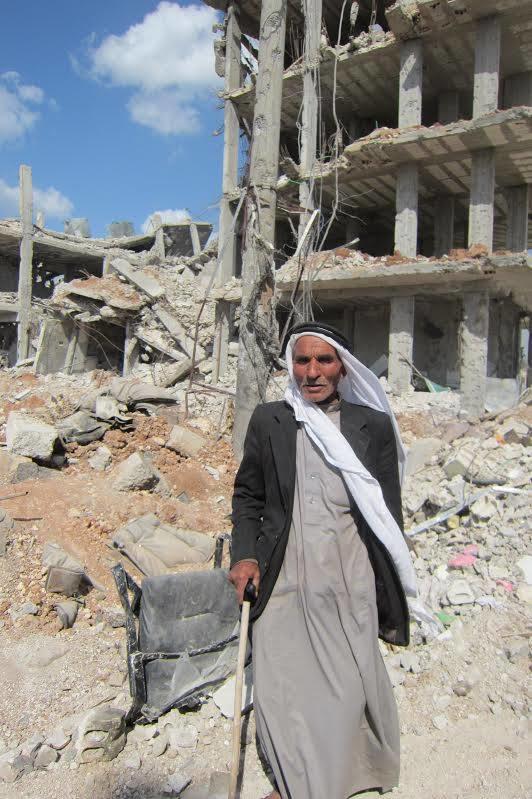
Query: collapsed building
[[73, 303], [391, 159]]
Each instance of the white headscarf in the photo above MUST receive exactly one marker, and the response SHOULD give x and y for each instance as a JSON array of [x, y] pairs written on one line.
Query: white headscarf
[[362, 387]]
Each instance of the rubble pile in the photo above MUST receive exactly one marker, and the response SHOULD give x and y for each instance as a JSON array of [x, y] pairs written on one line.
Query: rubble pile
[[467, 501], [67, 516]]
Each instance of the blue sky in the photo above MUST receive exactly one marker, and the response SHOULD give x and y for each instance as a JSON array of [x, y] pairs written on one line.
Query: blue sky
[[113, 104]]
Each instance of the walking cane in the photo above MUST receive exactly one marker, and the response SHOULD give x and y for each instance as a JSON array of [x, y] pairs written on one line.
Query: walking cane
[[250, 595]]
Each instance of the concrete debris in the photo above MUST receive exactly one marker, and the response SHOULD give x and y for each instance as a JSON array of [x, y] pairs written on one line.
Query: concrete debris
[[421, 453], [45, 756], [101, 735], [224, 697], [525, 567], [101, 459], [17, 468], [176, 784], [185, 441], [26, 609], [460, 593], [31, 437], [140, 279], [6, 526], [136, 473]]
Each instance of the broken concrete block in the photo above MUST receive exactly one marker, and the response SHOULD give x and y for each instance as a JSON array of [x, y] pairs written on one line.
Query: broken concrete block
[[17, 468], [182, 736], [31, 437], [485, 508], [45, 756], [176, 783], [101, 735], [9, 771], [460, 593], [455, 430], [420, 454], [219, 785], [224, 697], [101, 459], [525, 567], [6, 526], [140, 279], [136, 473], [26, 609], [166, 374], [185, 441]]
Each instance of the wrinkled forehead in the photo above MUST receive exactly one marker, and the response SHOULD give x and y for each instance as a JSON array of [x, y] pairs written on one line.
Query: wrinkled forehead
[[312, 345]]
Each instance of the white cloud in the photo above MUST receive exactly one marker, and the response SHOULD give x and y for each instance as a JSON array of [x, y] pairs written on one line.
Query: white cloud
[[168, 60], [164, 111], [31, 94], [51, 201], [168, 216], [17, 106]]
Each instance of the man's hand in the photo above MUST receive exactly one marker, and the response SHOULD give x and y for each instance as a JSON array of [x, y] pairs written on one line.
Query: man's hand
[[240, 574]]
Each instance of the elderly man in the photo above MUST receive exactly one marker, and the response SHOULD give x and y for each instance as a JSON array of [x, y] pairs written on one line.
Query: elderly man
[[317, 528]]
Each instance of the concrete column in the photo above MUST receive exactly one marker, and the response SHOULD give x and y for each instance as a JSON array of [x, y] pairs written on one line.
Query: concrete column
[[131, 351], [410, 83], [406, 210], [77, 351], [448, 107], [25, 275], [106, 266], [258, 327], [517, 218], [157, 223], [349, 324], [194, 235], [406, 192], [227, 240], [310, 110], [443, 225], [487, 58], [518, 90], [474, 353], [401, 343], [525, 352], [481, 199]]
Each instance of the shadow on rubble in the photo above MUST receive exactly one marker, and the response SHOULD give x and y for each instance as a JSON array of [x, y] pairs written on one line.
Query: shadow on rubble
[[155, 780]]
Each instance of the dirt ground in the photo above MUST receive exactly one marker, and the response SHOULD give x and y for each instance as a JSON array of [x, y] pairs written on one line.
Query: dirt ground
[[50, 677]]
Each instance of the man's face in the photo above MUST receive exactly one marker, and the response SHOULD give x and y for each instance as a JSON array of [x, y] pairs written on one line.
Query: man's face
[[317, 368]]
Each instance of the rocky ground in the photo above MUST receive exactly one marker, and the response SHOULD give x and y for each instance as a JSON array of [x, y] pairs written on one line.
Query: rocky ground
[[462, 687]]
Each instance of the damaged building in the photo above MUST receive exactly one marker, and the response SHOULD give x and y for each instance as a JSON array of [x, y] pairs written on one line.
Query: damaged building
[[395, 148], [72, 303]]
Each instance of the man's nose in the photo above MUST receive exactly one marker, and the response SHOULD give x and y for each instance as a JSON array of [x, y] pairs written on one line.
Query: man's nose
[[312, 370]]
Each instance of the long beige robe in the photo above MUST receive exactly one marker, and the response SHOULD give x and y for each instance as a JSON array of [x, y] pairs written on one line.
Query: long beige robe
[[325, 711]]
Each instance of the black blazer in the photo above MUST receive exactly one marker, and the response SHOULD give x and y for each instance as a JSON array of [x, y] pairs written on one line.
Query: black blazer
[[264, 495]]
